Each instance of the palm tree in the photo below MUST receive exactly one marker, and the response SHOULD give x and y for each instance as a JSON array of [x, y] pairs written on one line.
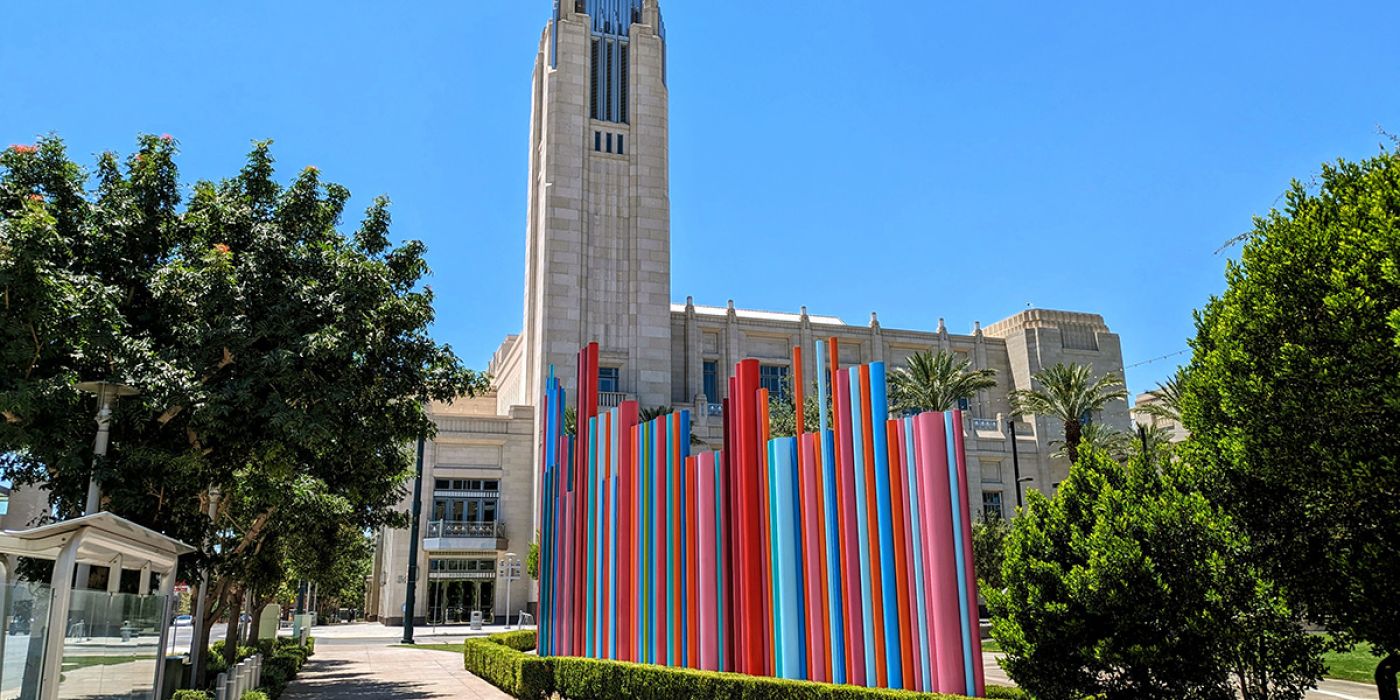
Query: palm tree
[[1166, 399], [1071, 394], [1158, 439], [1114, 443], [935, 381]]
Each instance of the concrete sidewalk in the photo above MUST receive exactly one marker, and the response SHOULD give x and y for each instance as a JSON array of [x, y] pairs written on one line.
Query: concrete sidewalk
[[382, 672], [374, 630]]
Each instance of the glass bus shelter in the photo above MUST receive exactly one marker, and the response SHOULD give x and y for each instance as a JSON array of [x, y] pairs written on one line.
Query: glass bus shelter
[[59, 640]]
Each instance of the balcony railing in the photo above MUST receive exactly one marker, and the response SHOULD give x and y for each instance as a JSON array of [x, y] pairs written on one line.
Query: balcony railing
[[456, 529], [611, 399]]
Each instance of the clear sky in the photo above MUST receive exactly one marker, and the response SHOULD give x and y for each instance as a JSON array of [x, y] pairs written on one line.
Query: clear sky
[[963, 160]]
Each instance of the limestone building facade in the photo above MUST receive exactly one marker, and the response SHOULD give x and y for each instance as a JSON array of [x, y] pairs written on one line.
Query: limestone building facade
[[597, 268]]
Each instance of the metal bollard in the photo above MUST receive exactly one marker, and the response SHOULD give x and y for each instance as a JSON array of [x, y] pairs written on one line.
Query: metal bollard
[[220, 684], [239, 672]]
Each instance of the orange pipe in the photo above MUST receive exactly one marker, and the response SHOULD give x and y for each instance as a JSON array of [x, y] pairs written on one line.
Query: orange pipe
[[873, 528], [901, 561]]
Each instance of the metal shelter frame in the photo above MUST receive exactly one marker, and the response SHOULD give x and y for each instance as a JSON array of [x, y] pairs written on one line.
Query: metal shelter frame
[[100, 539]]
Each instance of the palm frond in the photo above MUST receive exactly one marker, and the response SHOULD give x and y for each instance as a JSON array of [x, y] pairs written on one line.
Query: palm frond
[[935, 381], [1067, 392], [1166, 398]]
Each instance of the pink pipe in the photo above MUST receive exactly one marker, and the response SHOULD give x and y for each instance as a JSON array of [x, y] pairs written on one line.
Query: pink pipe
[[811, 568], [916, 673], [946, 625], [705, 557]]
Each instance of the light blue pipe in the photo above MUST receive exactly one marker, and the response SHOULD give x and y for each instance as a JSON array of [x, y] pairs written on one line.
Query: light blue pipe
[[862, 529], [884, 500]]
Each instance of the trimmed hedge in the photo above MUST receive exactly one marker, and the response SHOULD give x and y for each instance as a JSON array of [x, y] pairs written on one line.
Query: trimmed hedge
[[501, 660], [187, 694]]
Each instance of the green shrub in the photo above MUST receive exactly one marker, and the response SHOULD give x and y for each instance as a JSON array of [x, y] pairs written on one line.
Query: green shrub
[[596, 679], [190, 695], [255, 695], [275, 679], [501, 660]]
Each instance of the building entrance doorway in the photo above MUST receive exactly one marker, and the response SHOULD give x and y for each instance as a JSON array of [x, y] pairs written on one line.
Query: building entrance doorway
[[453, 601]]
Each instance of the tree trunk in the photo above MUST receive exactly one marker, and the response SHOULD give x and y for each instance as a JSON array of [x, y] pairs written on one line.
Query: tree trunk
[[235, 607], [212, 613], [255, 619], [1386, 672], [1074, 432]]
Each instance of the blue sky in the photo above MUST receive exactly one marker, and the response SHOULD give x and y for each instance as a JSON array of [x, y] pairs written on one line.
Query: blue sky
[[960, 160]]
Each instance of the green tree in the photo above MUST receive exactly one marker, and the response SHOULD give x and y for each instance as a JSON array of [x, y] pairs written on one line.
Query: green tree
[[989, 549], [1097, 436], [1125, 585], [1071, 394], [532, 559], [1159, 443], [1293, 397], [1166, 398], [279, 360], [782, 415], [936, 381]]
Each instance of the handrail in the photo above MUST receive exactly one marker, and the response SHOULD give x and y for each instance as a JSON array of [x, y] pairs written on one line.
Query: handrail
[[455, 528]]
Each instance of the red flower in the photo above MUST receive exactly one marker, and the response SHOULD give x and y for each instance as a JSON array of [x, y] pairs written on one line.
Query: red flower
[[167, 138], [36, 197], [222, 248], [22, 148]]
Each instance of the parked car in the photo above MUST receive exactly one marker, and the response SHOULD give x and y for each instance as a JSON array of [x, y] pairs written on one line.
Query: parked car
[[184, 620]]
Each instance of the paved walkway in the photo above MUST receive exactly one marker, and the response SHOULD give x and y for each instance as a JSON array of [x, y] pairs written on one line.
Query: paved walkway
[[357, 662], [380, 672]]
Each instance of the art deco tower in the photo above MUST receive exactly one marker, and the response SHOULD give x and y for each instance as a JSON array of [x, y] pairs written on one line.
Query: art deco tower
[[599, 233]]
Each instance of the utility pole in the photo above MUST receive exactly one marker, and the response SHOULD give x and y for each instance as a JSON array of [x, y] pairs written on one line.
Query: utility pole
[[1015, 459], [410, 598]]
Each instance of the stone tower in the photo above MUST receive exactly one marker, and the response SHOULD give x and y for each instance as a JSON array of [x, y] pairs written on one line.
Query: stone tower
[[598, 248]]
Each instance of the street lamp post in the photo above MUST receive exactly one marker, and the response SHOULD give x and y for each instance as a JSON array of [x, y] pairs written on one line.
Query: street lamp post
[[1015, 459], [107, 394], [411, 597], [510, 572]]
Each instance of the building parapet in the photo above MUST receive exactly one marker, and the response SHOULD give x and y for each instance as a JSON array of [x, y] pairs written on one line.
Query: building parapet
[[1046, 318]]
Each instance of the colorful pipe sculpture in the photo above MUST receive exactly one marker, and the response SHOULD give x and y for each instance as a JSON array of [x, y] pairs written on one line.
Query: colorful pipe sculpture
[[842, 555]]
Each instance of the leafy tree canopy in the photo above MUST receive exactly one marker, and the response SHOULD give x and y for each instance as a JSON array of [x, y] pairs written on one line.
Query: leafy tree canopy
[[278, 359], [1293, 395], [1125, 585]]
